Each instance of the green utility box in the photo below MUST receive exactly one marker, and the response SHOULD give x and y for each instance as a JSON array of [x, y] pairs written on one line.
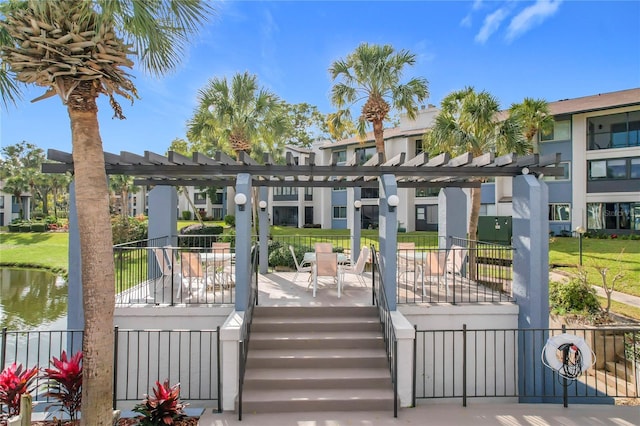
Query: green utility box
[[495, 229]]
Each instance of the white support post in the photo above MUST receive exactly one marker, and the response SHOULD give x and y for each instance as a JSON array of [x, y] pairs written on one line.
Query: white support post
[[406, 334], [229, 340]]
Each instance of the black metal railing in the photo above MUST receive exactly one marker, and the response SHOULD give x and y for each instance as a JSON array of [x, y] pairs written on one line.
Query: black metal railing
[[168, 275], [245, 331], [390, 340], [141, 357], [485, 363], [467, 272]]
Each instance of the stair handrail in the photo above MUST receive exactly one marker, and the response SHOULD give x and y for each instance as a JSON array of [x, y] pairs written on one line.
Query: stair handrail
[[245, 331], [390, 339]]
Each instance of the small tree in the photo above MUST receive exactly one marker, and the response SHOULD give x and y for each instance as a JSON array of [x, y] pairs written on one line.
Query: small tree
[[609, 287]]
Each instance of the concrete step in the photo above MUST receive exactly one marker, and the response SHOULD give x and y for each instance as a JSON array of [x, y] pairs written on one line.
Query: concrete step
[[318, 378], [317, 358], [315, 311], [620, 369], [298, 400], [316, 340], [315, 323]]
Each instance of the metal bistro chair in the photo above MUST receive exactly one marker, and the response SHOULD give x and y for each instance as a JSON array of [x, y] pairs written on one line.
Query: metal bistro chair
[[300, 267], [357, 269], [327, 266], [223, 269]]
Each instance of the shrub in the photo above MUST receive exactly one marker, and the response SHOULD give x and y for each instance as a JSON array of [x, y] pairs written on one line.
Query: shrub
[[230, 220], [163, 408], [127, 229], [574, 297], [25, 227], [14, 381], [38, 227], [64, 383], [186, 215], [201, 235], [14, 227]]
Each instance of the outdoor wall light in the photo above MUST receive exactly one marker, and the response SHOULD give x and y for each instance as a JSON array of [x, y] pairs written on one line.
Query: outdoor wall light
[[240, 200], [525, 170], [262, 204], [393, 202], [357, 204]]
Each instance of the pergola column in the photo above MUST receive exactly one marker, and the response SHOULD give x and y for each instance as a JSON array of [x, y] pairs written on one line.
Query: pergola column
[[531, 277], [163, 214], [243, 242], [356, 228], [388, 236], [452, 216], [263, 224]]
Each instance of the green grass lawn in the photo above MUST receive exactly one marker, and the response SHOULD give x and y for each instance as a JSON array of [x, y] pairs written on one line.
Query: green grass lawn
[[564, 254], [48, 250]]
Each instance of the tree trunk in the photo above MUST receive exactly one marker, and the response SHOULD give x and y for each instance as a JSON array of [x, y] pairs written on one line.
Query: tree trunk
[[98, 278], [378, 134], [473, 230]]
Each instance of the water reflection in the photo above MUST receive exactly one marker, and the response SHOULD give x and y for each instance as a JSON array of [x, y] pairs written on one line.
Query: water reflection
[[31, 299]]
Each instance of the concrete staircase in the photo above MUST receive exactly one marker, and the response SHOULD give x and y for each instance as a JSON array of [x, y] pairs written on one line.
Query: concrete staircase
[[316, 359]]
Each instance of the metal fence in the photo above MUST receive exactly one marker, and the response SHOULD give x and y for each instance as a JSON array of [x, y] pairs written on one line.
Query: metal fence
[[485, 364], [390, 339], [161, 274], [142, 357], [478, 272]]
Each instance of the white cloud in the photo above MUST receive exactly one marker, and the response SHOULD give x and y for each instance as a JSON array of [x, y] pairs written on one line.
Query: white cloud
[[467, 20], [491, 24], [531, 16]]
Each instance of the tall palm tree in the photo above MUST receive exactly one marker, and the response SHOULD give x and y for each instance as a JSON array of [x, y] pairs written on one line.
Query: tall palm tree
[[123, 185], [80, 50], [535, 117], [372, 74], [237, 115], [468, 122]]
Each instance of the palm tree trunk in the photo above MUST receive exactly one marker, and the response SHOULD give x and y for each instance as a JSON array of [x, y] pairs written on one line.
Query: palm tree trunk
[[98, 278], [378, 134], [476, 195]]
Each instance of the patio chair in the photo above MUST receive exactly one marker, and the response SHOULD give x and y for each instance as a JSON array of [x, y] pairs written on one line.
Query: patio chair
[[304, 267], [456, 257], [223, 269], [357, 269], [326, 266], [160, 287], [407, 262], [324, 247], [194, 279]]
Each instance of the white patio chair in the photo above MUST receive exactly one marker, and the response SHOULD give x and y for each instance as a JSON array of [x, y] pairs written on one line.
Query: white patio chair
[[357, 269], [194, 279], [300, 267], [407, 263], [326, 266], [223, 269], [324, 247], [160, 287]]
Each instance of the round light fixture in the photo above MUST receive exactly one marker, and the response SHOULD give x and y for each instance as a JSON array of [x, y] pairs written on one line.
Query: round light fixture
[[357, 204], [240, 199], [262, 204], [393, 200]]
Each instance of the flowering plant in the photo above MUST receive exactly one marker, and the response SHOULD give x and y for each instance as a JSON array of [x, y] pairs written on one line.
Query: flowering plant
[[163, 408], [14, 381], [64, 383]]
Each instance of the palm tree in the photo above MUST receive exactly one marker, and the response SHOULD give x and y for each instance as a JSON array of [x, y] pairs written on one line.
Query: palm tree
[[123, 185], [80, 50], [534, 116], [239, 115], [372, 74], [468, 122]]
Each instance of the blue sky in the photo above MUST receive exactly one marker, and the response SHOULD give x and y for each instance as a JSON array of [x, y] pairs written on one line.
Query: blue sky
[[546, 49]]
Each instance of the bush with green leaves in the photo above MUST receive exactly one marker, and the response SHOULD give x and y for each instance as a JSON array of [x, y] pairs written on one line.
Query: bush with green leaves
[[127, 229], [573, 297], [197, 235], [230, 220]]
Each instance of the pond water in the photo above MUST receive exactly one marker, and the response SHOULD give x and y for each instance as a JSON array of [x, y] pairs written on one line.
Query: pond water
[[32, 299]]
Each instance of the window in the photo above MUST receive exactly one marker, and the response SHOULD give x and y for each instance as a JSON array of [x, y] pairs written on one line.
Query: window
[[285, 193], [419, 146], [216, 213], [1, 201], [200, 198], [427, 192], [308, 193], [135, 201], [613, 216], [340, 188], [615, 168], [614, 130], [370, 193], [342, 156], [559, 212], [339, 212], [217, 199], [561, 132], [364, 154], [566, 173]]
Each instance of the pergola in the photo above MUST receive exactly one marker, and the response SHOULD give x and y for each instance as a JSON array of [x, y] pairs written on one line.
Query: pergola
[[529, 200]]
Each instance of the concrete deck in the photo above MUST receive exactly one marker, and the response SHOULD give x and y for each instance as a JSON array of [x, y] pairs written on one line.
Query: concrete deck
[[449, 414]]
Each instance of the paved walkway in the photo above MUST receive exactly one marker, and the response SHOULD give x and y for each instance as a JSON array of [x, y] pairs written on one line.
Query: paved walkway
[[447, 414]]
